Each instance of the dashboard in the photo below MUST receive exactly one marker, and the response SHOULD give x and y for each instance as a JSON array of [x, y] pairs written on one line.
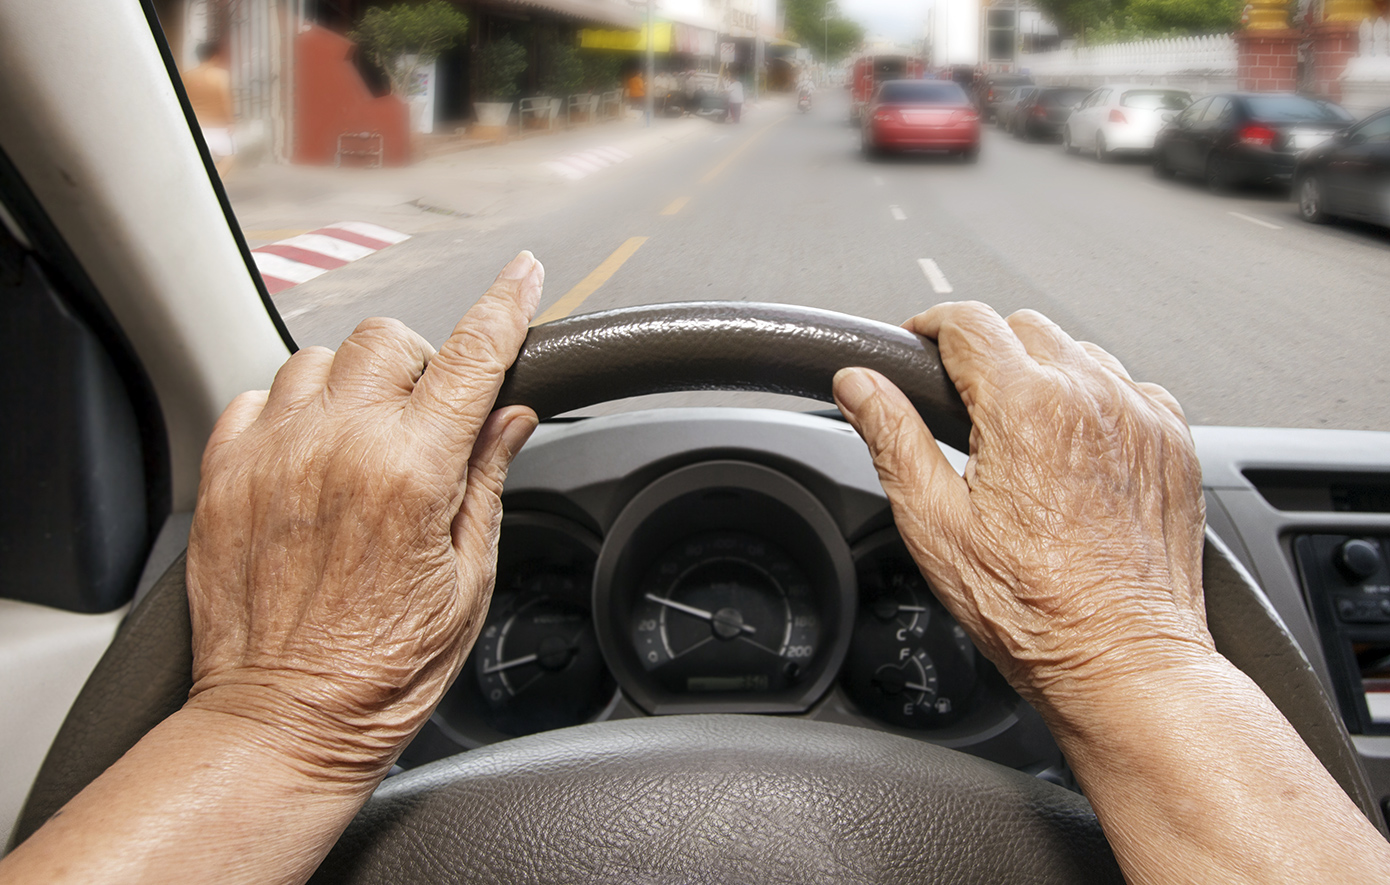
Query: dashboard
[[718, 561]]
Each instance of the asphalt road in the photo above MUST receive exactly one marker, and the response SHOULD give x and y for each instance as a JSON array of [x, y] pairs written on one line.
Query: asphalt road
[[1249, 315]]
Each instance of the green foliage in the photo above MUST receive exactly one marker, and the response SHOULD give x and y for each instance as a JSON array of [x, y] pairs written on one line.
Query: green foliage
[[499, 65], [423, 30], [566, 75], [807, 24], [600, 71], [1098, 22]]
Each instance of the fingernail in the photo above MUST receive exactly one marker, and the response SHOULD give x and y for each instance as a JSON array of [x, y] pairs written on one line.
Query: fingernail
[[518, 431], [519, 268], [853, 387]]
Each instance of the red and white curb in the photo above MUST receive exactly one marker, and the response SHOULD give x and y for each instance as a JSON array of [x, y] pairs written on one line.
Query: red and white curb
[[299, 259], [577, 166]]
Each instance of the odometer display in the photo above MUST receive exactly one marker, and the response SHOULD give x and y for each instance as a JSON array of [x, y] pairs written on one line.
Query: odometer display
[[725, 612]]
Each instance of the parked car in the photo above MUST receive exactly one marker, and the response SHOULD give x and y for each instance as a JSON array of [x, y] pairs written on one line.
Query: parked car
[[921, 115], [1004, 109], [1348, 175], [1238, 138], [1043, 113], [1121, 117], [989, 91]]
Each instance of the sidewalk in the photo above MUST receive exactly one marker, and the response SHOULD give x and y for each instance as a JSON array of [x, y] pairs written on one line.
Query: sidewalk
[[273, 202]]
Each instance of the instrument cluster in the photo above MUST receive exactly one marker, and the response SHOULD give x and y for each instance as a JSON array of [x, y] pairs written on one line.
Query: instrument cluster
[[722, 586]]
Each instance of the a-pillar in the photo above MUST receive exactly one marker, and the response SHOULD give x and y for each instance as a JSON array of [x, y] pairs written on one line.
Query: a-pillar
[[1335, 42], [1267, 49]]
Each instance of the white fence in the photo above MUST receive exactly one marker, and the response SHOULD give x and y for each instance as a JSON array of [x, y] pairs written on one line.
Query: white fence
[[1199, 64], [1366, 80]]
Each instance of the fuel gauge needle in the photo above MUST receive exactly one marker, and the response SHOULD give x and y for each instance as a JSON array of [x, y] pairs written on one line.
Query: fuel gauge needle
[[514, 662], [692, 610]]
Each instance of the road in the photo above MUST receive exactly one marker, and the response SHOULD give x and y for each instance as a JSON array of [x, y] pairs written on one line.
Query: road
[[1249, 315]]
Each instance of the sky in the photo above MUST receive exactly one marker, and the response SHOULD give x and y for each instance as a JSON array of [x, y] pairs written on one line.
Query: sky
[[901, 20]]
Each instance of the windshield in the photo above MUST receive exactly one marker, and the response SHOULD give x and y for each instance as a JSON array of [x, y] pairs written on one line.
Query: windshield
[[922, 92], [1294, 109], [370, 180], [1155, 100]]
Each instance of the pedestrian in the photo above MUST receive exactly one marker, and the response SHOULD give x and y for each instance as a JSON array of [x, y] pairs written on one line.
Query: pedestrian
[[636, 89], [735, 98]]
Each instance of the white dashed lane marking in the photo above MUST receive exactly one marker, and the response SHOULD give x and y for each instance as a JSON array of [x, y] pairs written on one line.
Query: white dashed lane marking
[[584, 163], [938, 280], [898, 213], [1254, 220]]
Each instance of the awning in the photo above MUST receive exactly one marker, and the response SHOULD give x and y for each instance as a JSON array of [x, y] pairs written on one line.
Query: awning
[[607, 12], [627, 41]]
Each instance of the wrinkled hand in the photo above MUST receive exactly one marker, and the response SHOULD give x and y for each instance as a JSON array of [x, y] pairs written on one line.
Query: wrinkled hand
[[343, 549], [1072, 546]]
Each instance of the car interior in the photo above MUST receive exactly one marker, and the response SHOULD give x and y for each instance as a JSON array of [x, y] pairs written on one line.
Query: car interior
[[846, 714]]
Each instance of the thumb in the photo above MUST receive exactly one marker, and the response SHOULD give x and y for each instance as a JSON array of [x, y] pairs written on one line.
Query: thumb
[[931, 502]]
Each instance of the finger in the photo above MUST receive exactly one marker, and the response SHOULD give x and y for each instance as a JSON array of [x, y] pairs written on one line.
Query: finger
[[458, 389], [381, 360], [479, 518], [926, 493], [299, 380], [978, 349], [240, 414], [1045, 341], [1106, 359]]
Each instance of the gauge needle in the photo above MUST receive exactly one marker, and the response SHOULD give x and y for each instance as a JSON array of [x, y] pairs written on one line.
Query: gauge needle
[[692, 610], [514, 662], [910, 686], [912, 608]]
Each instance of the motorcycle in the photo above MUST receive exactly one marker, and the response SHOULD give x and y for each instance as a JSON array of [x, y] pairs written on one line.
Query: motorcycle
[[803, 102]]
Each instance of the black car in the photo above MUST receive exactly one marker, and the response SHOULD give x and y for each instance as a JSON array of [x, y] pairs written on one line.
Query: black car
[[1004, 108], [1348, 175], [1044, 112], [991, 88], [1243, 138]]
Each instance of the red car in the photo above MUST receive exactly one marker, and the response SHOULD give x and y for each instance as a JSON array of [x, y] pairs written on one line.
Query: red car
[[921, 115]]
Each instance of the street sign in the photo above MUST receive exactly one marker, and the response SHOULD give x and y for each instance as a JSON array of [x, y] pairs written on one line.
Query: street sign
[[726, 53]]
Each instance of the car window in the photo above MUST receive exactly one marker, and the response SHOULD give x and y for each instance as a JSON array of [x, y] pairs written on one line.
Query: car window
[[1194, 112], [922, 91], [1216, 110], [1155, 99], [1293, 109], [1062, 98], [1375, 131]]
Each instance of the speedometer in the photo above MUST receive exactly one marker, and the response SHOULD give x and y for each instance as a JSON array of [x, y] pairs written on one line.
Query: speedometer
[[725, 612], [724, 587]]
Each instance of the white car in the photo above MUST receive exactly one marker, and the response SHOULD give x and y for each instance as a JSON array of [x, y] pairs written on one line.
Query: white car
[[1121, 117]]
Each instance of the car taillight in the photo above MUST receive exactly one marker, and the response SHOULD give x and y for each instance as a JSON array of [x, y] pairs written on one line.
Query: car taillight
[[1039, 111], [990, 97], [883, 115], [1257, 135], [1117, 116]]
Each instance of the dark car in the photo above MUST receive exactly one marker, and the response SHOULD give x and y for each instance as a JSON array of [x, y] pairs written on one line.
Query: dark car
[[1244, 138], [1043, 113], [921, 115], [991, 88], [1348, 175], [1004, 108]]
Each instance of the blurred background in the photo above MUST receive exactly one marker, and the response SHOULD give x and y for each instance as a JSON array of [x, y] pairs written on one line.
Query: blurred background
[[1200, 186]]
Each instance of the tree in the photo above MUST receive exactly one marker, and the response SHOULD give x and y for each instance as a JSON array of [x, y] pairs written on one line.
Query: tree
[[600, 70], [499, 65], [1108, 21], [566, 76], [401, 38], [807, 23]]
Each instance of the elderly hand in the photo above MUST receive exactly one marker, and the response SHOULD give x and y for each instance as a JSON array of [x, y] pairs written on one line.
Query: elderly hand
[[344, 545], [1073, 543]]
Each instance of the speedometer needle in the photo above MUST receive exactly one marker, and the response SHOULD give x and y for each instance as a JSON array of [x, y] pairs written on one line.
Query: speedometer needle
[[514, 662], [692, 610]]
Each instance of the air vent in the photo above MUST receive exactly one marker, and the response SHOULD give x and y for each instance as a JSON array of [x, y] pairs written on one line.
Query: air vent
[[1318, 492]]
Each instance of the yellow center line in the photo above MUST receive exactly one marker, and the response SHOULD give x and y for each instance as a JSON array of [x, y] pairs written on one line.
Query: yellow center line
[[749, 142], [590, 284], [676, 205]]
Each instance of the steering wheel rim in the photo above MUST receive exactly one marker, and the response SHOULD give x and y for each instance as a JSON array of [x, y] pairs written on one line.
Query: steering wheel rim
[[423, 823]]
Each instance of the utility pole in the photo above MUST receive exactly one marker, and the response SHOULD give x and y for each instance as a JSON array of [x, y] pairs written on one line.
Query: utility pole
[[650, 95]]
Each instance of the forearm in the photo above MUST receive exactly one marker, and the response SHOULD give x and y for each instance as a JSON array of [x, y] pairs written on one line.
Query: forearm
[[1197, 777], [205, 796]]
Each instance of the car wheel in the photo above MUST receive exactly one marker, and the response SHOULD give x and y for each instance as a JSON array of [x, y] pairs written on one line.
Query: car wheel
[[1310, 201], [1218, 173], [1102, 152], [1067, 144]]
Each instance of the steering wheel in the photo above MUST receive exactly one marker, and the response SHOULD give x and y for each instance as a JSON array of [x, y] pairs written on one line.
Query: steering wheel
[[703, 798]]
